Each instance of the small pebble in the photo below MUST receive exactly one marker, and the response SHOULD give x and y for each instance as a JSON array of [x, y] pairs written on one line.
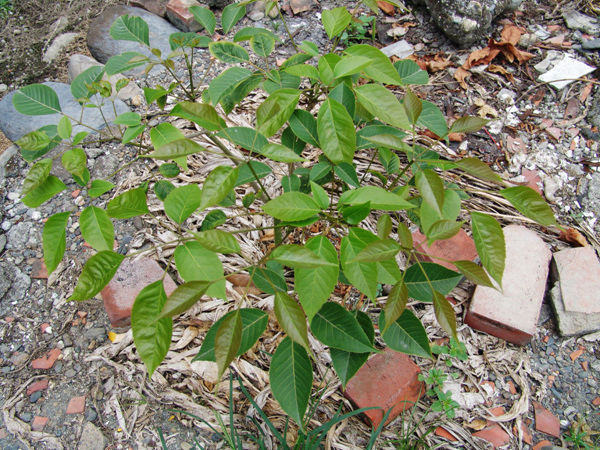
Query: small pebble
[[35, 397], [91, 415], [70, 373], [26, 417]]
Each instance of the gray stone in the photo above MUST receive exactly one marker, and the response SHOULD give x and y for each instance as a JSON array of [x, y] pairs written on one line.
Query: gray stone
[[105, 166], [19, 235], [578, 21], [58, 45], [15, 125], [35, 396], [572, 323], [2, 242], [13, 283], [594, 44], [5, 157], [102, 46], [91, 438], [465, 22], [590, 190], [26, 417], [3, 87]]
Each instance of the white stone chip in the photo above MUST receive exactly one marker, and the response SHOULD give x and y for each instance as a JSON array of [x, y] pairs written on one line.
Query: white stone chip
[[565, 72], [402, 49]]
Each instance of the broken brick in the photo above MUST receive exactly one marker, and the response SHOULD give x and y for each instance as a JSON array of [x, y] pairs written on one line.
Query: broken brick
[[527, 436], [442, 432], [584, 365], [127, 283], [47, 361], [523, 289], [158, 7], [388, 380], [39, 422], [39, 270], [540, 445], [545, 421], [576, 354], [76, 405], [554, 133], [511, 387], [458, 247], [596, 401], [533, 180], [494, 434], [179, 15], [39, 385], [497, 411], [578, 271]]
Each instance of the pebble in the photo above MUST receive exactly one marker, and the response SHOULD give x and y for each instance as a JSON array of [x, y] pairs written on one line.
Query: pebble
[[35, 397], [26, 417], [6, 225], [70, 373], [58, 367], [91, 415], [3, 87]]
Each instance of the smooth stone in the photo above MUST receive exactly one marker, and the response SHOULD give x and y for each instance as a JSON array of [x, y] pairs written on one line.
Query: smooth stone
[[35, 397], [58, 45], [594, 44]]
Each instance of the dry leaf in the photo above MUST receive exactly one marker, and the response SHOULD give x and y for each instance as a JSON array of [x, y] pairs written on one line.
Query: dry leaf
[[585, 92], [397, 31], [572, 236], [481, 56], [477, 424], [461, 75], [501, 70], [386, 7], [512, 34]]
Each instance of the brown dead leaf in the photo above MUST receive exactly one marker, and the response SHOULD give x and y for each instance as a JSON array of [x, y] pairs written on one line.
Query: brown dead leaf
[[512, 34], [298, 6], [585, 92], [420, 62], [511, 52], [501, 70], [386, 7], [537, 98], [477, 424], [456, 137], [432, 63], [240, 280], [572, 236], [461, 75]]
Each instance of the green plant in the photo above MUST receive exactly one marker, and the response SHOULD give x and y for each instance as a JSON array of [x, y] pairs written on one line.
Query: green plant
[[356, 113], [443, 402], [456, 350], [581, 436], [358, 29], [5, 7]]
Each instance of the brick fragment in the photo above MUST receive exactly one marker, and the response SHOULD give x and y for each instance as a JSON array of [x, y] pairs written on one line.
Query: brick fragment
[[76, 405], [39, 270], [545, 421], [39, 422], [3, 433], [47, 361], [494, 434], [577, 353], [442, 432], [127, 283], [523, 289], [540, 445], [511, 387], [527, 436], [596, 401], [533, 180], [158, 7], [39, 385], [179, 15], [388, 380], [458, 247]]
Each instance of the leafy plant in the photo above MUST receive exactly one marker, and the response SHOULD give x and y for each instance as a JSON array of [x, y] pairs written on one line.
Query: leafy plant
[[359, 29], [581, 436], [443, 402], [456, 349], [356, 112]]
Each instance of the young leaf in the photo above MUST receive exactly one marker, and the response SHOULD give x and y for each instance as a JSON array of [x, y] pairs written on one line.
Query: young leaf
[[36, 100], [279, 153], [99, 187], [217, 185], [274, 112], [164, 133], [335, 21], [474, 272], [303, 70], [96, 228], [336, 132], [54, 239], [247, 33], [384, 226], [74, 161], [65, 128], [350, 65], [37, 175], [130, 28], [34, 142], [262, 44], [232, 14], [196, 263], [396, 304], [175, 149], [129, 204], [468, 124], [304, 125], [227, 341], [218, 241], [381, 69], [123, 62], [377, 251], [186, 40], [406, 334], [382, 103], [79, 84], [412, 106], [228, 52], [184, 297], [182, 202], [336, 327], [489, 242], [404, 237], [292, 206], [444, 314], [96, 274], [420, 278], [204, 17], [200, 113], [531, 204], [294, 60], [291, 318], [299, 257], [362, 275], [442, 229], [326, 66], [151, 336], [431, 188], [319, 194], [379, 198], [45, 191], [291, 378]]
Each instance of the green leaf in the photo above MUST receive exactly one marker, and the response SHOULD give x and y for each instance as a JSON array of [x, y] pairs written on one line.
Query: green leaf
[[299, 257], [406, 334], [45, 191], [245, 175], [162, 188], [36, 100], [151, 336], [309, 47], [335, 21], [362, 275], [420, 278], [184, 297], [182, 202], [314, 286], [274, 112], [74, 161], [228, 52], [96, 274], [336, 132], [291, 318], [293, 142], [412, 106], [262, 44], [217, 185], [254, 323], [54, 239], [175, 149], [232, 14], [432, 118], [129, 204], [204, 17], [479, 169], [99, 187], [196, 263], [132, 132], [383, 104], [338, 328], [395, 304], [531, 204], [129, 119], [247, 33], [187, 40], [490, 245], [377, 251], [169, 170], [279, 153], [468, 124], [291, 378], [292, 206], [431, 188], [124, 62], [270, 279], [326, 66], [164, 133], [247, 138], [130, 28], [294, 60], [280, 80], [442, 229], [225, 83], [474, 272], [303, 70], [79, 137], [37, 175], [410, 72], [79, 84], [387, 140], [384, 226], [355, 214], [347, 173], [218, 241], [319, 194], [381, 69], [227, 341], [96, 228], [404, 237], [379, 198], [34, 142], [351, 65], [304, 125], [450, 211], [65, 128], [444, 314]]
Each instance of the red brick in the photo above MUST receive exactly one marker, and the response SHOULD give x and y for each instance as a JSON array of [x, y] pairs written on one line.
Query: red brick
[[127, 283], [39, 422], [442, 432], [388, 380], [511, 387], [596, 401], [76, 193], [39, 385], [545, 421], [554, 133], [44, 327], [158, 7], [542, 444], [523, 289], [76, 405], [39, 270], [584, 365], [578, 271], [527, 436], [577, 353], [47, 361], [458, 247], [533, 180], [494, 434], [497, 411], [179, 15]]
